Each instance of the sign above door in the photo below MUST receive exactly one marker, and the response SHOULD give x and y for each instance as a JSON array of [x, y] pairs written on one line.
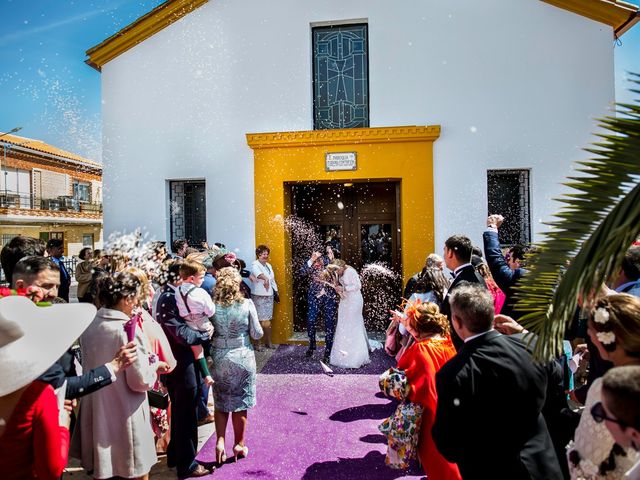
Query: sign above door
[[338, 161]]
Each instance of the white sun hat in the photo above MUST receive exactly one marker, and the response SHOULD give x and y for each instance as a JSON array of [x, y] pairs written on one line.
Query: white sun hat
[[32, 338]]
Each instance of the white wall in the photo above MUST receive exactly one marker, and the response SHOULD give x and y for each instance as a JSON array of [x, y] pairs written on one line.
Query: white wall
[[513, 83]]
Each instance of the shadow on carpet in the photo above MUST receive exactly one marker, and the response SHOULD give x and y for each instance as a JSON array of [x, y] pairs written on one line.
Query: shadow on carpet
[[370, 466], [313, 427], [291, 359]]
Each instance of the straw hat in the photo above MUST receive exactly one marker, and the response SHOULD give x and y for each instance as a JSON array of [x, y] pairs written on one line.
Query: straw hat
[[32, 338]]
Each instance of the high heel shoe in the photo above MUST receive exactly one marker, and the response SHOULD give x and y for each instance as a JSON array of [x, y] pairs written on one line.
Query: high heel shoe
[[240, 451], [221, 455]]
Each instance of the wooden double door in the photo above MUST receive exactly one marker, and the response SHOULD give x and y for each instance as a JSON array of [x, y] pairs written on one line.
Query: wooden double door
[[360, 221]]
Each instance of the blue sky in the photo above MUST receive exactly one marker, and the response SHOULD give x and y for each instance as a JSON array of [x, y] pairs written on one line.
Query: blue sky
[[45, 86], [47, 89]]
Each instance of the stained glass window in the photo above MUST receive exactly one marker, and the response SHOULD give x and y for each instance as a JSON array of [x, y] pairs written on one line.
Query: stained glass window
[[340, 77]]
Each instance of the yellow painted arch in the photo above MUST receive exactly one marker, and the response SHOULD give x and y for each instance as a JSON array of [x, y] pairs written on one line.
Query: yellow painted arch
[[403, 154]]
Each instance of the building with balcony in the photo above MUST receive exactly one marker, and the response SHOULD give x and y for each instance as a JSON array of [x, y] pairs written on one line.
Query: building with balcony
[[46, 192]]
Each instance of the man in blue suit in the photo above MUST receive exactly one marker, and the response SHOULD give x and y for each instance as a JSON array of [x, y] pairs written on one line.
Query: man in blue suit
[[321, 299], [55, 249]]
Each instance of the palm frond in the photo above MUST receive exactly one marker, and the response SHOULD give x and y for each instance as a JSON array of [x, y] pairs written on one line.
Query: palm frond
[[589, 236]]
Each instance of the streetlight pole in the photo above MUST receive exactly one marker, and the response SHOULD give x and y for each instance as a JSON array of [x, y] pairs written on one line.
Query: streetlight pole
[[13, 130]]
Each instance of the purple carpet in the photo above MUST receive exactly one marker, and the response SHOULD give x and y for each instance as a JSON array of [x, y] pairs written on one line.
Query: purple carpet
[[313, 427], [291, 359]]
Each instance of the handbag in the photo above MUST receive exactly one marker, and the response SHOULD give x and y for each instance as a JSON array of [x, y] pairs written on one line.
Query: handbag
[[158, 399], [392, 338]]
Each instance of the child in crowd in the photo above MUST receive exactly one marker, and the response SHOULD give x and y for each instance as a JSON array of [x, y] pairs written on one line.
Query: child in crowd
[[196, 306]]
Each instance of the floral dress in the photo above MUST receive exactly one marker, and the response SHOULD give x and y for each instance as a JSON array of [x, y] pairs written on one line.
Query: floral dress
[[594, 455], [234, 362], [402, 429]]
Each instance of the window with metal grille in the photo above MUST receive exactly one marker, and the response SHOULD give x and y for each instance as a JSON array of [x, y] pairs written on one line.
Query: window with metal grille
[[508, 195], [187, 208], [340, 77]]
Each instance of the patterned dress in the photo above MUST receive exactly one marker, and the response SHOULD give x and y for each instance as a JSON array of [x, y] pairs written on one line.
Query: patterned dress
[[234, 362], [592, 455], [402, 429]]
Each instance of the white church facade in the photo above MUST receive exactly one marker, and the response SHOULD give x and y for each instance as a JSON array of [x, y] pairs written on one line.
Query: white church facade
[[406, 120]]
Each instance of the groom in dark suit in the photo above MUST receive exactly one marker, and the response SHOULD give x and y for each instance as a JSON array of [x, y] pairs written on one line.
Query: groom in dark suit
[[457, 258], [490, 397]]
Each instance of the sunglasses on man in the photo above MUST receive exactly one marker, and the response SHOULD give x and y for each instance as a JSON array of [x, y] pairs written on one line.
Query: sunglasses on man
[[599, 415]]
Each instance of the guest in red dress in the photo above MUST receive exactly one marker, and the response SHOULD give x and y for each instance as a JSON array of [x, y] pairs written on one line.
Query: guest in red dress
[[34, 434], [420, 362]]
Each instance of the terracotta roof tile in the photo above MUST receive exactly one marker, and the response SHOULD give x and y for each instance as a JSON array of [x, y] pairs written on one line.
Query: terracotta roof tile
[[40, 146]]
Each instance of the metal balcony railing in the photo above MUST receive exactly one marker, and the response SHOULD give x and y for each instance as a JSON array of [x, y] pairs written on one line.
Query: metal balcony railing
[[58, 204]]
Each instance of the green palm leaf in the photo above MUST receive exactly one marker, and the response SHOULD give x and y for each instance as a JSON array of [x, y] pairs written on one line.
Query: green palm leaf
[[599, 219]]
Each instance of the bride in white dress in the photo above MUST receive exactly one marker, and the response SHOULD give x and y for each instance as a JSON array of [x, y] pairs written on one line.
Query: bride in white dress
[[350, 342]]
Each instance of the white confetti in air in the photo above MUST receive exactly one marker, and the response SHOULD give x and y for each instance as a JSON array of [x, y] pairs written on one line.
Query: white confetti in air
[[340, 205], [326, 369], [473, 129], [343, 353], [174, 208]]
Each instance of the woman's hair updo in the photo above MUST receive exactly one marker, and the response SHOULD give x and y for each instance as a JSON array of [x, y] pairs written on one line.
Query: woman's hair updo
[[227, 289], [425, 318], [113, 288], [616, 321]]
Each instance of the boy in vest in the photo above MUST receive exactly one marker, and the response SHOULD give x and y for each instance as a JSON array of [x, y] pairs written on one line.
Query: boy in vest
[[196, 306]]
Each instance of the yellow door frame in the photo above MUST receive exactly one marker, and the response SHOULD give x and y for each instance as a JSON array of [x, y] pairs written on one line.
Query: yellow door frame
[[404, 154]]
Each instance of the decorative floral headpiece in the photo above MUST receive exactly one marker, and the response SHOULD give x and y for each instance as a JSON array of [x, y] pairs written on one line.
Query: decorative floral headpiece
[[601, 316], [411, 308], [606, 337]]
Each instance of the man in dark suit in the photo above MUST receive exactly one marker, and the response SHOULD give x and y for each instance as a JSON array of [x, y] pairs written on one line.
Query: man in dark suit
[[457, 258], [505, 271], [55, 249], [183, 384], [490, 398]]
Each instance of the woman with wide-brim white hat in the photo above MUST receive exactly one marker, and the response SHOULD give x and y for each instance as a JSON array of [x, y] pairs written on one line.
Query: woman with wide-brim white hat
[[34, 434]]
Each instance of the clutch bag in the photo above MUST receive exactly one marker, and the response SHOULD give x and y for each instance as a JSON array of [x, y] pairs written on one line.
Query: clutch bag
[[158, 399]]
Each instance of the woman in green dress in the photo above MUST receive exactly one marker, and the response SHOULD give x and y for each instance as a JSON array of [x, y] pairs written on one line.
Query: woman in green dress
[[234, 361]]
